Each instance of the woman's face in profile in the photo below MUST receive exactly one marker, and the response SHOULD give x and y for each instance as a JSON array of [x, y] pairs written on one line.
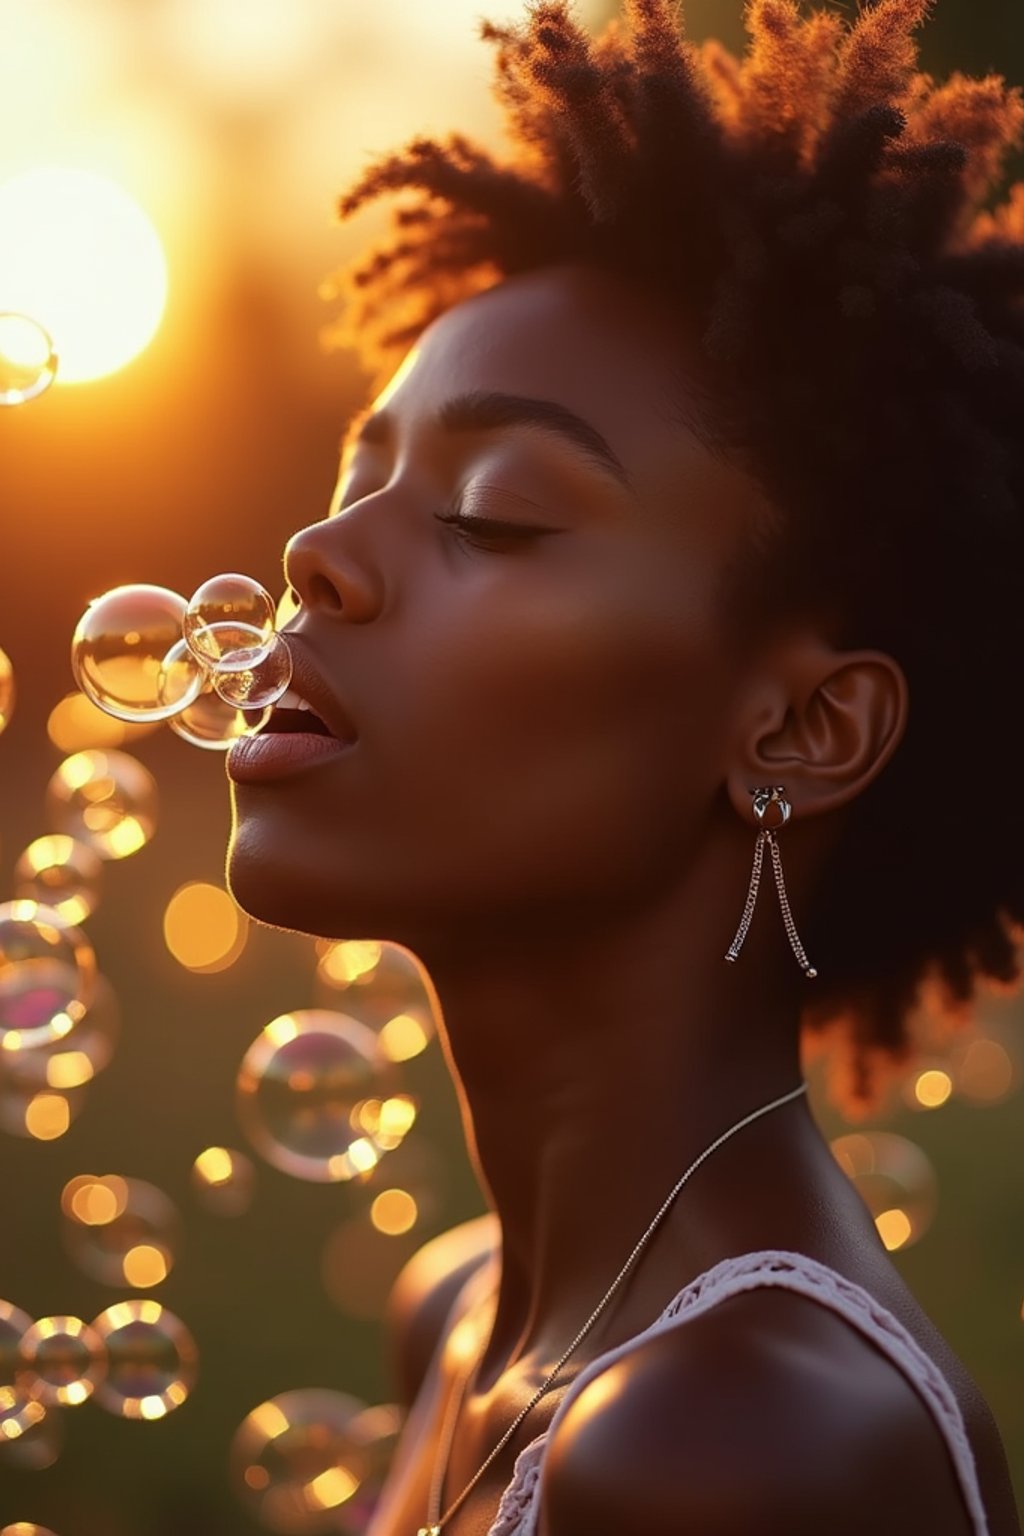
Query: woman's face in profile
[[540, 708]]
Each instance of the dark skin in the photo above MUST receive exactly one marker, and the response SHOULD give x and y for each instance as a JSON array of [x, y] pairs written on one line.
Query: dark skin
[[549, 802]]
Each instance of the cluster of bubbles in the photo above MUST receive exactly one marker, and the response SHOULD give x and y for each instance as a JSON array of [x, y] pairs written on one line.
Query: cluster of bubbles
[[28, 359], [211, 666]]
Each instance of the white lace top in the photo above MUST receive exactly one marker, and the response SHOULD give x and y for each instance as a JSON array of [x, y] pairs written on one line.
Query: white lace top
[[518, 1510]]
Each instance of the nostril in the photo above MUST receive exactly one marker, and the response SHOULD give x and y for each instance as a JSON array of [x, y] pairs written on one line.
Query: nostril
[[322, 593]]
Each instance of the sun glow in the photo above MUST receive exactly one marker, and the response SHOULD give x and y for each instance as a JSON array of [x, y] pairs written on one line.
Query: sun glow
[[79, 256]]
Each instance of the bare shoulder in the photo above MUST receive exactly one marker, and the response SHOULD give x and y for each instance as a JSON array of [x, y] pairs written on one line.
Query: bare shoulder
[[422, 1295], [758, 1415]]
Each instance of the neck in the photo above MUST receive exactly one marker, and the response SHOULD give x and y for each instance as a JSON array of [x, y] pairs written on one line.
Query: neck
[[592, 1072]]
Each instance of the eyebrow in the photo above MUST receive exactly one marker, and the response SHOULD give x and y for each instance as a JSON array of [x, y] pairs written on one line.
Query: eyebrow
[[485, 410]]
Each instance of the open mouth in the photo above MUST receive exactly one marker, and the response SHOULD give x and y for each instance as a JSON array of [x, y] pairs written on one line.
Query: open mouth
[[285, 721]]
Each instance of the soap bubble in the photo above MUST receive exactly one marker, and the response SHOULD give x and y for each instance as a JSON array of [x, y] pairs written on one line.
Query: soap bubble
[[896, 1181], [152, 1360], [62, 1359], [384, 986], [107, 800], [120, 1230], [28, 361], [72, 1062], [229, 623], [127, 655], [7, 691], [300, 1461], [258, 686], [61, 872], [17, 1409], [223, 1181], [39, 1441], [301, 1087], [211, 723], [47, 972]]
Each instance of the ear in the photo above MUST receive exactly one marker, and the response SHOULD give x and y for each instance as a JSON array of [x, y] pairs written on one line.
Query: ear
[[821, 722]]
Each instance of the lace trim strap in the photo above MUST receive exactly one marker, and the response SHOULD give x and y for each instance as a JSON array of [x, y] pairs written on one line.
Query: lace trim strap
[[517, 1512]]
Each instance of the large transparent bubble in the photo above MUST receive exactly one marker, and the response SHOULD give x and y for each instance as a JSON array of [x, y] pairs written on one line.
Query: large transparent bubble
[[106, 800], [262, 684], [127, 654], [152, 1360], [213, 724], [28, 359], [47, 973], [229, 623], [302, 1087], [313, 1460]]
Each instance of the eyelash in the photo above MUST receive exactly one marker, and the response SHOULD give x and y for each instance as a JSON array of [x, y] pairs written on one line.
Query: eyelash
[[465, 526]]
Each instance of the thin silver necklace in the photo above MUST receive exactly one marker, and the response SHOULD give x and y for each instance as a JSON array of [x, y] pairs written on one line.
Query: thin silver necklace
[[435, 1520]]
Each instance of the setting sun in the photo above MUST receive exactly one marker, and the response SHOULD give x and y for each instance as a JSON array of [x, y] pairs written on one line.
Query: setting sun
[[79, 256]]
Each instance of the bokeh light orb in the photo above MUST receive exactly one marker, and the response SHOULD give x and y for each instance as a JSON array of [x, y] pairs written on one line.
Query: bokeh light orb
[[896, 1180], [79, 255], [300, 1090], [39, 1113], [69, 1063], [204, 929], [262, 684], [75, 722], [62, 873], [211, 723], [152, 1360], [229, 622], [223, 1180], [120, 1231], [26, 1528], [47, 974], [105, 799], [128, 656], [62, 1359], [8, 692], [300, 1460]]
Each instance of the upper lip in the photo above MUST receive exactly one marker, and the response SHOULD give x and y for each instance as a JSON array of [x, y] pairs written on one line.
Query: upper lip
[[309, 683]]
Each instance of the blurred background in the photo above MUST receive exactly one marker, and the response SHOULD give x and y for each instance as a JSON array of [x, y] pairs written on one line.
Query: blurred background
[[167, 178]]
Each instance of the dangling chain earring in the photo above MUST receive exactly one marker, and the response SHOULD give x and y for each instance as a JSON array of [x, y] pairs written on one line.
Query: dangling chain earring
[[763, 798]]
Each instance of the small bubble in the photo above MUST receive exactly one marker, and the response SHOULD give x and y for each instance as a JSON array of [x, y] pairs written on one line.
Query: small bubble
[[8, 692], [47, 974], [107, 800], [300, 1087], [120, 1230], [896, 1181], [128, 657], [39, 1441], [229, 623], [28, 361], [300, 1461], [259, 686], [152, 1360], [62, 1359], [71, 1063], [223, 1180], [62, 873], [385, 987]]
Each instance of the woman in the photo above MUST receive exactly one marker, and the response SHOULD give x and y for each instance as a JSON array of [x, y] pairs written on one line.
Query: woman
[[690, 524]]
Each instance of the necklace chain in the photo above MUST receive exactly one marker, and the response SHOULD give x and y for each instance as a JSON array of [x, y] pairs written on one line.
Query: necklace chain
[[435, 1520]]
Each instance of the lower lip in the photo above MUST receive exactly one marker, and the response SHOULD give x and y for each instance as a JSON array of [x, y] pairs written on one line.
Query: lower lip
[[261, 759]]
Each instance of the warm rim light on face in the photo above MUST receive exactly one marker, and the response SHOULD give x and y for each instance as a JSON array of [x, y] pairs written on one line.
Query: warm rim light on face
[[80, 257]]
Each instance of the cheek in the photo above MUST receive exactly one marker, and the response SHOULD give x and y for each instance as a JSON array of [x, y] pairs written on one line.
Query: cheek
[[568, 731]]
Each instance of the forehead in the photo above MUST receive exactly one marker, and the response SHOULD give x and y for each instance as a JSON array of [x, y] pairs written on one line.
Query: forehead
[[576, 338]]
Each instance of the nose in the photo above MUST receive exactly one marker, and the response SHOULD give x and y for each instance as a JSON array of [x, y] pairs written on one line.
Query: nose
[[324, 569]]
